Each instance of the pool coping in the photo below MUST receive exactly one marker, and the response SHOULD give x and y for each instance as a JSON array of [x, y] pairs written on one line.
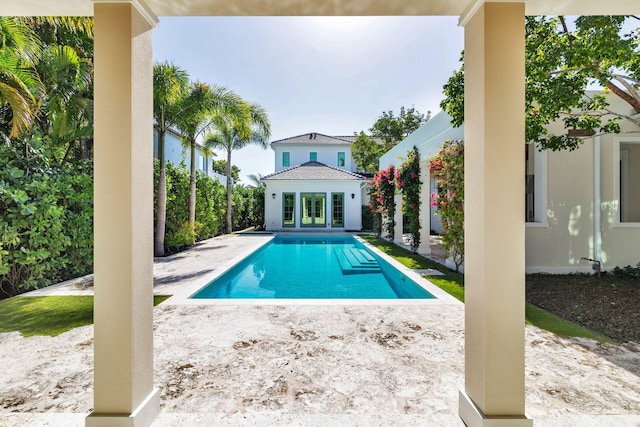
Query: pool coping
[[189, 288]]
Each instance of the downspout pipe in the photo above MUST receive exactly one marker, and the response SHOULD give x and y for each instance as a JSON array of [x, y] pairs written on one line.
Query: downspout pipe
[[597, 205]]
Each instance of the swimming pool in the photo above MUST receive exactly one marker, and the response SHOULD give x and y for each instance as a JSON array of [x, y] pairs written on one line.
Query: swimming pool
[[313, 266]]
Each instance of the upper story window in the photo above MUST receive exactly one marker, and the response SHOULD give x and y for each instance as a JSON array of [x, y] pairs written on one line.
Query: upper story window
[[286, 160], [629, 177], [313, 156], [341, 159]]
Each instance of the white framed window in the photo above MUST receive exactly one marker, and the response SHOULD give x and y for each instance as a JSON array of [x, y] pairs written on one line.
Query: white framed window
[[627, 180]]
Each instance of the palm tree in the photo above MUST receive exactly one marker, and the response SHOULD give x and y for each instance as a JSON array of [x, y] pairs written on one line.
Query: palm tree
[[235, 131], [19, 52], [256, 180], [197, 110], [170, 82], [66, 102]]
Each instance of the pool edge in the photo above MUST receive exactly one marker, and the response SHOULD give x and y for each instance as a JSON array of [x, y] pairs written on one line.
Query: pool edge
[[183, 297]]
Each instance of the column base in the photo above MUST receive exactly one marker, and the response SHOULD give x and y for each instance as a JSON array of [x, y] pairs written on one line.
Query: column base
[[143, 415], [472, 416]]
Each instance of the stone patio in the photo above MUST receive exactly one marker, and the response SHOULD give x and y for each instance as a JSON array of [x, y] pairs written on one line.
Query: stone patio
[[310, 365]]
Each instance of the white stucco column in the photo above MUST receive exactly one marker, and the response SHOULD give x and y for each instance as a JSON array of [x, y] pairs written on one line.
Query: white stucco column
[[425, 209], [123, 192], [397, 233], [494, 393]]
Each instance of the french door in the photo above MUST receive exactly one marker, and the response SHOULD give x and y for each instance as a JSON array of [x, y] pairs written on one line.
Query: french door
[[313, 209]]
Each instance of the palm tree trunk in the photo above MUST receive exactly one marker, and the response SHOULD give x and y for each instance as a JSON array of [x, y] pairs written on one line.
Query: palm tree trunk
[[229, 195], [192, 181], [161, 203]]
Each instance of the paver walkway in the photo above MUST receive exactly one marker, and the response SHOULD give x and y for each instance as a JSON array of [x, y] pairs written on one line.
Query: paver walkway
[[312, 365]]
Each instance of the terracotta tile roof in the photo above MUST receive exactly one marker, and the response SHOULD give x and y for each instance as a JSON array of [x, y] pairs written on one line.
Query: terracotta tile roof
[[314, 171]]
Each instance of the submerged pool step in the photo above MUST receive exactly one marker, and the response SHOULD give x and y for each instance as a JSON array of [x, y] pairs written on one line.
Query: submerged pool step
[[356, 261], [363, 257]]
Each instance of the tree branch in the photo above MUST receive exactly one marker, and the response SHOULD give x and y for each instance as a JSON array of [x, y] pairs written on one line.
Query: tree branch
[[628, 98]]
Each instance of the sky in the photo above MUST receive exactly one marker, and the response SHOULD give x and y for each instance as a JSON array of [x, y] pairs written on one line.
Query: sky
[[331, 75]]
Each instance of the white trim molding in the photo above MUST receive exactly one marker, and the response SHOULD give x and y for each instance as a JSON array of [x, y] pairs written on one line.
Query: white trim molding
[[616, 178]]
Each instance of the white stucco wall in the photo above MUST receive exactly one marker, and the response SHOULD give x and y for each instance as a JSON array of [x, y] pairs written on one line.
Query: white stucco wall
[[299, 154], [564, 230], [352, 206], [428, 139], [568, 231], [175, 153]]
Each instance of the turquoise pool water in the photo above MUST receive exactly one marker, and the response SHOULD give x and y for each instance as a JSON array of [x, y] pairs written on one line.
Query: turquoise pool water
[[313, 267]]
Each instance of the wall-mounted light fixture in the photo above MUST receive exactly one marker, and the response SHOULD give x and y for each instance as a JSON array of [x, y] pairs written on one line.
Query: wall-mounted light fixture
[[273, 195], [353, 196]]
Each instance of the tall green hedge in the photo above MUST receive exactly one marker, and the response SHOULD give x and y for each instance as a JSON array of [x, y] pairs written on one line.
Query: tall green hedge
[[46, 220], [210, 207], [248, 207], [46, 216]]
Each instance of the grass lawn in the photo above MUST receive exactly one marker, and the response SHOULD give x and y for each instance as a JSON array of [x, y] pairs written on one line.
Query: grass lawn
[[453, 283], [48, 315]]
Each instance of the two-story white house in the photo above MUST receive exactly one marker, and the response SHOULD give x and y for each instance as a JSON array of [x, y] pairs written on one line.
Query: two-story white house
[[175, 153], [314, 185]]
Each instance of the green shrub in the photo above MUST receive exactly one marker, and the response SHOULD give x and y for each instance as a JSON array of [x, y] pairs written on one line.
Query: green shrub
[[367, 218], [408, 182], [46, 221], [248, 207], [210, 207], [182, 237], [627, 272]]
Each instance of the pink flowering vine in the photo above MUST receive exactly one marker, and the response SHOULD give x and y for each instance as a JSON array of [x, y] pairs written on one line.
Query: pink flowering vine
[[448, 169], [408, 182], [382, 190]]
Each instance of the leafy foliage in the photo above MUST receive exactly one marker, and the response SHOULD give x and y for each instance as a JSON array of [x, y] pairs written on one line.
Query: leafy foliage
[[248, 207], [46, 222], [408, 182], [366, 153], [382, 190], [448, 168], [220, 166], [198, 107], [385, 133], [210, 205], [19, 83], [169, 85], [560, 63], [249, 124], [375, 208], [392, 129], [367, 218], [627, 272]]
